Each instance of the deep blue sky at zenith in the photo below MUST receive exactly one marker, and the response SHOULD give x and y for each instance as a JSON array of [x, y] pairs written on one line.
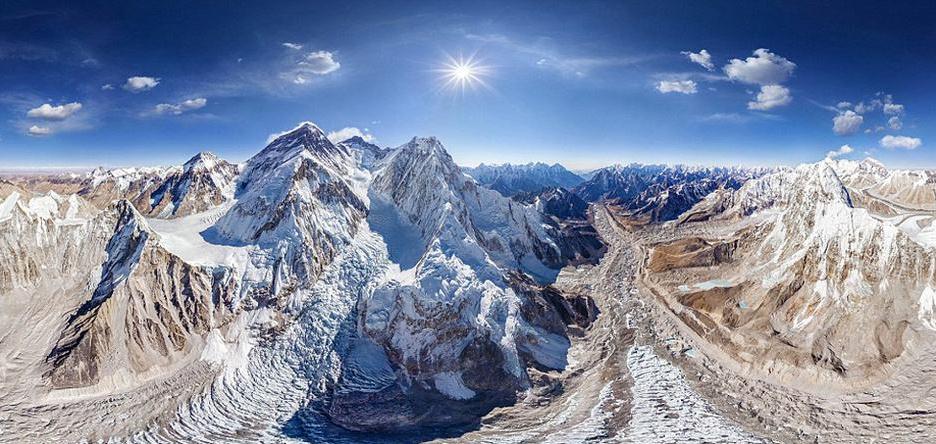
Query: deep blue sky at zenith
[[575, 82]]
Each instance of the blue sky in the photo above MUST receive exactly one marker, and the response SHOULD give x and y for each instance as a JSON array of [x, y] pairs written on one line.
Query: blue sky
[[582, 83]]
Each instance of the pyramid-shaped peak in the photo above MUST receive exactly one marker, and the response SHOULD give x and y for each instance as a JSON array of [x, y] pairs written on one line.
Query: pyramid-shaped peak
[[305, 130], [204, 159], [307, 137]]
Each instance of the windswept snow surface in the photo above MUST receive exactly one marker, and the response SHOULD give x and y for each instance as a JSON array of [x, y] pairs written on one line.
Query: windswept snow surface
[[403, 240]]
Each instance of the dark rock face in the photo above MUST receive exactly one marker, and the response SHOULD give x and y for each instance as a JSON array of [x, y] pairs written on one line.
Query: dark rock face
[[147, 309], [557, 202]]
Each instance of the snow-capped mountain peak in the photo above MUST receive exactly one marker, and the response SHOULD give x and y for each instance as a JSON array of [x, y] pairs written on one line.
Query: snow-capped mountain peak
[[307, 139], [202, 161]]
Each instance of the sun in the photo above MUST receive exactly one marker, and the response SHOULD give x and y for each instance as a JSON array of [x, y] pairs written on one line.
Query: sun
[[463, 73]]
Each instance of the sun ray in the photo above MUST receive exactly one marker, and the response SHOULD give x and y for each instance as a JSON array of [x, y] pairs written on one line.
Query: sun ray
[[463, 73]]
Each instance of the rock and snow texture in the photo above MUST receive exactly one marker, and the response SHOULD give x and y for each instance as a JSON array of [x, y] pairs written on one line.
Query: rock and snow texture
[[296, 197], [450, 317], [367, 153], [203, 182], [558, 202], [509, 179], [385, 290], [429, 307], [804, 281], [659, 192]]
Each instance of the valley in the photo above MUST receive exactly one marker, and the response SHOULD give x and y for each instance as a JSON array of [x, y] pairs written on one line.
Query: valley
[[342, 293]]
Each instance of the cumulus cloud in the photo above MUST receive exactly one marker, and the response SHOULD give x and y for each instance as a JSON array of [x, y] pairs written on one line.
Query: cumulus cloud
[[847, 123], [702, 58], [844, 149], [850, 118], [764, 68], [678, 86], [49, 112], [349, 132], [894, 123], [900, 142], [893, 109], [39, 131], [770, 97], [295, 46], [137, 84], [314, 64], [179, 108]]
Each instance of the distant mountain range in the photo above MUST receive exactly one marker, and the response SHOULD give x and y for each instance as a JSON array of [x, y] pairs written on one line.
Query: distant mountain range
[[651, 192], [510, 179]]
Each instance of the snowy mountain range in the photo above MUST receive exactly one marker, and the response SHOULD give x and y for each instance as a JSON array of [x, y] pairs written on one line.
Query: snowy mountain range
[[456, 296], [509, 179], [660, 192], [375, 289]]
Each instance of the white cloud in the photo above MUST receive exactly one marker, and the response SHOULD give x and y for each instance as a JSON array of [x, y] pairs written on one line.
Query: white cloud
[[107, 87], [39, 131], [313, 64], [49, 112], [679, 86], [702, 58], [179, 108], [844, 149], [847, 123], [320, 62], [349, 132], [862, 108], [900, 142], [770, 97], [764, 68], [894, 123], [844, 105], [137, 84], [295, 46], [893, 109]]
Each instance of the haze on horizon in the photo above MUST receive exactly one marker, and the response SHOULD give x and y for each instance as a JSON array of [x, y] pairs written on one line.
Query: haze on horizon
[[583, 84]]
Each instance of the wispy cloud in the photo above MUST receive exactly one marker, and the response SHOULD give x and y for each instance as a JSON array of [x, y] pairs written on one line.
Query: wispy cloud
[[544, 54], [311, 65], [737, 118], [178, 108], [349, 132]]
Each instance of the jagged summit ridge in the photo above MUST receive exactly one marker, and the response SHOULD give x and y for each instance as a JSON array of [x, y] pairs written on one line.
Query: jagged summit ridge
[[510, 179]]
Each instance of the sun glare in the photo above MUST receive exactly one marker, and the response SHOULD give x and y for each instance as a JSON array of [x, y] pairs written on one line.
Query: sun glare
[[463, 73]]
